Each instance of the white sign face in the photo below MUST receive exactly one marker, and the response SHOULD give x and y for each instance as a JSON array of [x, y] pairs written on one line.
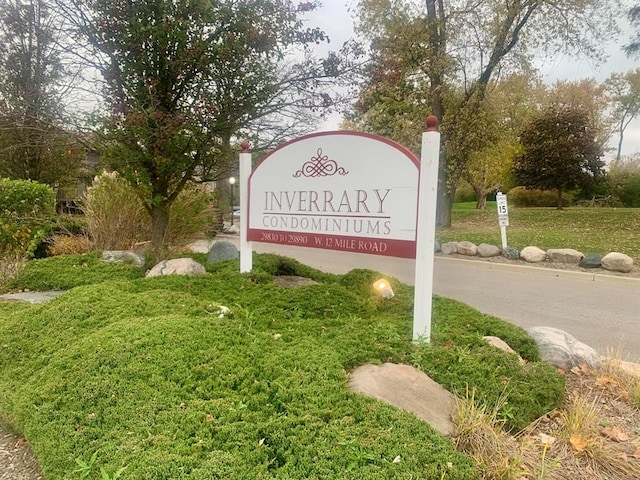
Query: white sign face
[[346, 191], [501, 203], [503, 211]]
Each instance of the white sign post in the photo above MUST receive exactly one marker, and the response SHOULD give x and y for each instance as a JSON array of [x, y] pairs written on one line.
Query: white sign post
[[503, 217], [426, 231], [246, 252]]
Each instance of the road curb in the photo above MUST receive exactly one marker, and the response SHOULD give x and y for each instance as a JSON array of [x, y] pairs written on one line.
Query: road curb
[[545, 271]]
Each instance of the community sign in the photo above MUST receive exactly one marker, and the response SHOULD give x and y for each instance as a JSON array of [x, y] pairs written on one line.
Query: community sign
[[347, 191]]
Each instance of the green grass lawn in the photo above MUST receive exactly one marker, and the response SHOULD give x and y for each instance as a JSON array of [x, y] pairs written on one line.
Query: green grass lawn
[[142, 374], [589, 230]]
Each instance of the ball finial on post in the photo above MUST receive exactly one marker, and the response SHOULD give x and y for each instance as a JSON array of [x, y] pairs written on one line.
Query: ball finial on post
[[245, 147], [432, 123]]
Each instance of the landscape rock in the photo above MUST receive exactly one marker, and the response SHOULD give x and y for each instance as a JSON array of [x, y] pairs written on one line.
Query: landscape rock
[[293, 281], [222, 251], [501, 344], [467, 248], [564, 255], [511, 253], [409, 389], [31, 297], [533, 254], [617, 262], [591, 260], [177, 266], [486, 250], [233, 229], [449, 248], [123, 256], [559, 348]]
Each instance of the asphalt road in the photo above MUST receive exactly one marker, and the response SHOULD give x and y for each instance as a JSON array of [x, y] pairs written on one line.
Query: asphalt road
[[601, 311]]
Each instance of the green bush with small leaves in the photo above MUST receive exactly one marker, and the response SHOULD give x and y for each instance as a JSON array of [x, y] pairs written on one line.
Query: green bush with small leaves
[[142, 377], [26, 209]]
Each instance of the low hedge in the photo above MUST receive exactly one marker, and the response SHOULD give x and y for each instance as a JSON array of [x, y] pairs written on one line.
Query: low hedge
[[523, 197]]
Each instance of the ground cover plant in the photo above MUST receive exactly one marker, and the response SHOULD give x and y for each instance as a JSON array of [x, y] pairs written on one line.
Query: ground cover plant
[[597, 230], [145, 375]]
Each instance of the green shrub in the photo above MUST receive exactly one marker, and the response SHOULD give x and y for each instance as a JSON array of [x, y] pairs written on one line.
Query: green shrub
[[627, 190], [464, 193], [25, 198], [522, 197], [117, 218], [26, 208], [69, 271], [458, 358]]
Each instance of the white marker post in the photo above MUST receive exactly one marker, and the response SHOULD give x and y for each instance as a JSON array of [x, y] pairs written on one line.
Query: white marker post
[[503, 217], [246, 251], [426, 231]]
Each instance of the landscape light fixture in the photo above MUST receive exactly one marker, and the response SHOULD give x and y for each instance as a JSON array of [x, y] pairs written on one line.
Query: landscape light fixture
[[232, 182], [383, 288]]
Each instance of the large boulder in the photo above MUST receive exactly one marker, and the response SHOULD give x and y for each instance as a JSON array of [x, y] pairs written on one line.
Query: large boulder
[[617, 262], [559, 348], [467, 248], [591, 260], [123, 256], [533, 254], [177, 266], [409, 389], [512, 253], [449, 248], [564, 255], [486, 250], [497, 342], [222, 251]]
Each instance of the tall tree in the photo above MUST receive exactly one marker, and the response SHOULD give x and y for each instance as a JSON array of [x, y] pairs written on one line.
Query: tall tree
[[561, 151], [624, 93], [632, 49], [182, 77], [465, 45], [508, 105], [33, 144]]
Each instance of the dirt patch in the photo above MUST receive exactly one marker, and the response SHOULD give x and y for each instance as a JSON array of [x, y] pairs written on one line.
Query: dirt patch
[[293, 281], [16, 459], [594, 434]]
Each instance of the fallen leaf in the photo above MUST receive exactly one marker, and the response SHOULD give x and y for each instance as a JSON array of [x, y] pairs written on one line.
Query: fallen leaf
[[209, 417], [545, 439], [581, 369], [396, 460], [615, 433], [578, 442], [261, 442], [606, 382]]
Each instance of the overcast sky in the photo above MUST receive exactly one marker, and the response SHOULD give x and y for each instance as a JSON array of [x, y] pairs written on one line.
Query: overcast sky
[[336, 20]]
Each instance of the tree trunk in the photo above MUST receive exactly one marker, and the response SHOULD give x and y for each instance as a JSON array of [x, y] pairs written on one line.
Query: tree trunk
[[559, 199], [437, 46], [159, 227], [444, 206], [481, 200]]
